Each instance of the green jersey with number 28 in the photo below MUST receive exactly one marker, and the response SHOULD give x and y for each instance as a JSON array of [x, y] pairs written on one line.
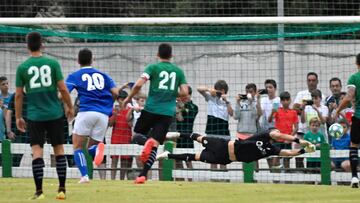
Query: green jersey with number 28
[[39, 76], [165, 80]]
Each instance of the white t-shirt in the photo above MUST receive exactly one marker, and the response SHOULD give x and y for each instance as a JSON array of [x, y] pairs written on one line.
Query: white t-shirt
[[266, 107], [216, 107]]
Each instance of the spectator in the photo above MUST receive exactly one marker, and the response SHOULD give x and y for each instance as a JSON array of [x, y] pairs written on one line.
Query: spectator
[[268, 103], [286, 121], [315, 137], [219, 109], [2, 121], [315, 109], [121, 134], [332, 101], [342, 143], [247, 110], [184, 124], [4, 88], [305, 95]]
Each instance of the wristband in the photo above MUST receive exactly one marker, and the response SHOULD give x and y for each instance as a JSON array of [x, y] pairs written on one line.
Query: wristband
[[301, 151], [296, 140]]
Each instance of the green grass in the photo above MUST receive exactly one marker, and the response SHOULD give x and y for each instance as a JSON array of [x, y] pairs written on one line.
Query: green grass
[[18, 190]]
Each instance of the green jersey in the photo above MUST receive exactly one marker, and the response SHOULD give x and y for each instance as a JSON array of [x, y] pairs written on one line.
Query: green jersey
[[317, 138], [354, 81], [39, 76], [165, 80]]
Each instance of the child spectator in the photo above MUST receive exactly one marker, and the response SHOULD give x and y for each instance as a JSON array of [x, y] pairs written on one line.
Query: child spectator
[[2, 120], [286, 120], [314, 109], [315, 137], [247, 111], [342, 143], [121, 134]]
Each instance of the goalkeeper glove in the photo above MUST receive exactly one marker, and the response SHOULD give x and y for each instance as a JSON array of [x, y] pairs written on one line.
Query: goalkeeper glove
[[310, 148]]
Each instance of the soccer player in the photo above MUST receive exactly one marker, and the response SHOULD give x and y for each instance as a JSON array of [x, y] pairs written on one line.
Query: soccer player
[[165, 81], [96, 92], [42, 78], [353, 93], [222, 151]]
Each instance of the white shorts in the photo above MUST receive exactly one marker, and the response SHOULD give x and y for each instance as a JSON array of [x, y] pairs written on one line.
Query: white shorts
[[92, 124]]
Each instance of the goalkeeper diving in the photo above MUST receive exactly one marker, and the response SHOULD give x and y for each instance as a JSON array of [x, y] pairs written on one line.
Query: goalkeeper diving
[[222, 151]]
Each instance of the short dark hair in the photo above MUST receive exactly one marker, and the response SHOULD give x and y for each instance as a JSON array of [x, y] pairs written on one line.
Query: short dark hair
[[85, 57], [221, 85], [122, 94], [34, 40], [334, 79], [272, 82], [285, 96], [3, 78], [165, 51], [251, 86], [358, 59], [190, 90], [316, 93], [312, 73]]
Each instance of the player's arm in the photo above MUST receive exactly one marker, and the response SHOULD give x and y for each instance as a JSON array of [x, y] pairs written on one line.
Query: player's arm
[[293, 152], [350, 95], [65, 96], [184, 90], [276, 135], [135, 89], [19, 99]]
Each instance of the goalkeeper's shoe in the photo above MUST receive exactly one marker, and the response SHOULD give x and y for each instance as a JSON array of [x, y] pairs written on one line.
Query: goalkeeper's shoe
[[164, 155], [99, 155], [354, 182], [140, 180], [37, 196], [84, 179], [61, 195], [172, 135], [145, 153]]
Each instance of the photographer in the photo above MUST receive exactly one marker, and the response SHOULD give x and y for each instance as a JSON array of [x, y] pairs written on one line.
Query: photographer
[[247, 111]]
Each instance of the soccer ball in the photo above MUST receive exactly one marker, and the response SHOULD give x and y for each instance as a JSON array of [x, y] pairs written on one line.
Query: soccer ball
[[336, 130]]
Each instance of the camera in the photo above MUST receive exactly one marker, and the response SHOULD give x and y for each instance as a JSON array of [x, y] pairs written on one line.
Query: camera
[[218, 93], [308, 102], [243, 96], [262, 91]]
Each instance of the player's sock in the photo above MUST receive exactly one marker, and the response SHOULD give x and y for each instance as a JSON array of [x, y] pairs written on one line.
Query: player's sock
[[61, 170], [92, 151], [184, 157], [80, 162], [149, 162], [194, 136], [38, 173], [354, 160]]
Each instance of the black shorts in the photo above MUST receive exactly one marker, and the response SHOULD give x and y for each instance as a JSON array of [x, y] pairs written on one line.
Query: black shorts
[[355, 130], [51, 131], [158, 124], [216, 151]]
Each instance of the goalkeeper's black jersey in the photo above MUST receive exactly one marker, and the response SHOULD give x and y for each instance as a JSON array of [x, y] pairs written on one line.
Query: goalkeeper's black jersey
[[254, 148]]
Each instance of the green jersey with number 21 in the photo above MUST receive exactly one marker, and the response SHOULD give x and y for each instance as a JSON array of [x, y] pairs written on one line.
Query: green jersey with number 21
[[39, 76], [165, 80]]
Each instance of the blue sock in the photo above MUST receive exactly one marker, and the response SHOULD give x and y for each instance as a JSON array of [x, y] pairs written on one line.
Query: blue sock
[[80, 162], [92, 150]]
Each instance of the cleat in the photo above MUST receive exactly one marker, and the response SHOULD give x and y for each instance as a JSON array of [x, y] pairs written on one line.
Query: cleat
[[164, 155], [84, 179], [99, 156], [172, 135], [145, 153], [354, 182], [37, 196], [140, 180], [61, 195]]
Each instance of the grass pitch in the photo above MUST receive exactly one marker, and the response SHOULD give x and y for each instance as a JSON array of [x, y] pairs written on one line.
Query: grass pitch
[[18, 190]]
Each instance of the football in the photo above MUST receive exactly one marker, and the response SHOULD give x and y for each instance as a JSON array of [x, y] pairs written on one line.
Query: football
[[336, 130]]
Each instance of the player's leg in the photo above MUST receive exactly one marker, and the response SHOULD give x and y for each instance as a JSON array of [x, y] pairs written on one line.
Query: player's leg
[[97, 135], [37, 140], [55, 133], [353, 152], [79, 156], [158, 134], [179, 157], [194, 136]]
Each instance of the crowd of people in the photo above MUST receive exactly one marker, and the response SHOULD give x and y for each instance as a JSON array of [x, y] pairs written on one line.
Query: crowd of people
[[267, 124]]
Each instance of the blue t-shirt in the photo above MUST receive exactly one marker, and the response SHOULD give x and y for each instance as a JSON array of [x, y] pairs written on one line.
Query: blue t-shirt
[[94, 90], [6, 99], [342, 143], [2, 125]]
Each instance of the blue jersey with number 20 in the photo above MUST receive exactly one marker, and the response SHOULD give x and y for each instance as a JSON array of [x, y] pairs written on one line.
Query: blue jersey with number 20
[[94, 90]]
